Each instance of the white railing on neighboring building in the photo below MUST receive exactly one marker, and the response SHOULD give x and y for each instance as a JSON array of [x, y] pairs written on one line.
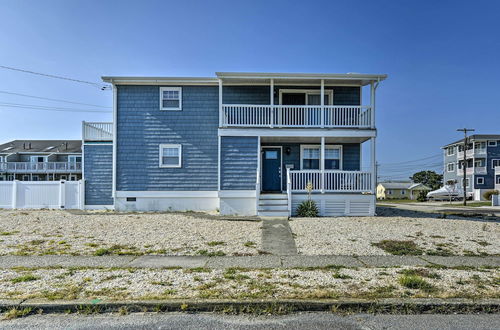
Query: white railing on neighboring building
[[45, 167], [97, 131], [312, 116], [331, 180], [497, 170], [472, 170], [471, 153]]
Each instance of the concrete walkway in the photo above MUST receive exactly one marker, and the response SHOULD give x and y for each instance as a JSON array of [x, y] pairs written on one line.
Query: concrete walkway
[[277, 238], [262, 261]]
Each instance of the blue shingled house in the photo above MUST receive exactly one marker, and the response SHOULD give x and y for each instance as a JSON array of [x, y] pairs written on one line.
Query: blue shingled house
[[243, 143]]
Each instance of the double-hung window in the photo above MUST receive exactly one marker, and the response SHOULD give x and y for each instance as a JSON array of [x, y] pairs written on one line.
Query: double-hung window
[[451, 167], [495, 163], [170, 155], [492, 143], [451, 150], [311, 157], [170, 98]]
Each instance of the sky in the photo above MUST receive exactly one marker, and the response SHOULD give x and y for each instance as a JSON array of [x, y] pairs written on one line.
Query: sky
[[441, 58]]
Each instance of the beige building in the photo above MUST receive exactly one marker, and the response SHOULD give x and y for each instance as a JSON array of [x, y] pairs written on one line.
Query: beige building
[[400, 190]]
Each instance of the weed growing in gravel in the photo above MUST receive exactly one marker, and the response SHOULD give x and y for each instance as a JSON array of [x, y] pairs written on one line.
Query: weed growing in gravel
[[197, 270], [399, 247], [342, 276], [420, 272], [210, 254], [25, 278], [8, 233], [416, 282], [250, 244], [15, 313], [216, 243]]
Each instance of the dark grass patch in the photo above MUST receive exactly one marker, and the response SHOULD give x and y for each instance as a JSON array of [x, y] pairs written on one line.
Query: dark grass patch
[[416, 282], [399, 247]]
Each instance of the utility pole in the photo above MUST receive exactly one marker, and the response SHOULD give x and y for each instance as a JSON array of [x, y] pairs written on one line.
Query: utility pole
[[464, 165]]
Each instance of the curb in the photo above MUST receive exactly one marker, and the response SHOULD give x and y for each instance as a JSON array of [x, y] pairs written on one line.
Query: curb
[[383, 306]]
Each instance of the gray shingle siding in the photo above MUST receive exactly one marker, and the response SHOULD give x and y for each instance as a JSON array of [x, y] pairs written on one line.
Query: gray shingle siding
[[98, 174], [238, 162], [142, 127]]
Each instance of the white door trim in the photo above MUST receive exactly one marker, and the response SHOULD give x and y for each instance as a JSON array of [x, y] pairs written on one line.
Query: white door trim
[[281, 166]]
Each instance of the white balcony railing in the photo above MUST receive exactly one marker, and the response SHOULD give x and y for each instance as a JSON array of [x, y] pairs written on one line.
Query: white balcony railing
[[472, 170], [471, 153], [497, 170], [97, 131], [45, 167], [331, 180], [329, 116]]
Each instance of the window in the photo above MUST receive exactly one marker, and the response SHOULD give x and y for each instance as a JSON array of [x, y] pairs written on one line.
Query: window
[[451, 151], [10, 177], [479, 162], [74, 159], [1, 159], [34, 178], [2, 177], [170, 98], [271, 154], [498, 179], [495, 163], [466, 182], [480, 180], [480, 145], [26, 177], [402, 192], [310, 156], [492, 143], [38, 159], [389, 192], [170, 155], [63, 177], [72, 177], [451, 167]]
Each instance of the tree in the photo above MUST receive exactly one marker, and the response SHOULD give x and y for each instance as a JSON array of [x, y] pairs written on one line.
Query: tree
[[428, 178]]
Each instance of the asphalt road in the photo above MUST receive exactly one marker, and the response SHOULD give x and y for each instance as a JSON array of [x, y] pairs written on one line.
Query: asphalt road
[[293, 321]]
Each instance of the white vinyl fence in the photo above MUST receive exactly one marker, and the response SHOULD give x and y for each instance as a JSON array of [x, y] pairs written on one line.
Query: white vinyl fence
[[41, 194]]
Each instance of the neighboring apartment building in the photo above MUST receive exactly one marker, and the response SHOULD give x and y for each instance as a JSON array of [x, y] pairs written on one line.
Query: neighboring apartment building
[[482, 164], [243, 143], [41, 160], [400, 190]]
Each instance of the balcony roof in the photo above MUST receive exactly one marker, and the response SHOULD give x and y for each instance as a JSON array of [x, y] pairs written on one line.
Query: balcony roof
[[252, 78]]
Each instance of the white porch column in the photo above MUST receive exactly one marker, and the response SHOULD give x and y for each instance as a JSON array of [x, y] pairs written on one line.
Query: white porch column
[[322, 96], [221, 114], [373, 165], [271, 101], [372, 104], [322, 164]]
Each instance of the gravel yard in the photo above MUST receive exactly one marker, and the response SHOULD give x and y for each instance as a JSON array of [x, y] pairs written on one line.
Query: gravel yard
[[355, 235], [331, 282], [35, 232]]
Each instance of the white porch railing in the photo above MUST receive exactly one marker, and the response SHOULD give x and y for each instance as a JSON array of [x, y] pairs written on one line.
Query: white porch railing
[[289, 192], [471, 153], [331, 180], [45, 167], [472, 170], [329, 116], [97, 131]]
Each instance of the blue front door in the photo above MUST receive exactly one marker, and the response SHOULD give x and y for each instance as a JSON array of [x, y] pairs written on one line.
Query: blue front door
[[271, 169]]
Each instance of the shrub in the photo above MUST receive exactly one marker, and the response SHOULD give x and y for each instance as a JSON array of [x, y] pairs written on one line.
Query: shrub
[[308, 209], [487, 194], [422, 196]]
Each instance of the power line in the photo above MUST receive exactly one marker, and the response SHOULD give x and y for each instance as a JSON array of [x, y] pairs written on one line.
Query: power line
[[55, 100], [46, 108], [414, 160], [100, 86]]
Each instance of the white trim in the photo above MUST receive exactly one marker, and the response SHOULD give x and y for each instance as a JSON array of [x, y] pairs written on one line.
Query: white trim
[[237, 193], [171, 146], [285, 132], [492, 163], [477, 180], [262, 167], [452, 148], [327, 146], [74, 157], [307, 92], [115, 134], [174, 89], [492, 145], [175, 194]]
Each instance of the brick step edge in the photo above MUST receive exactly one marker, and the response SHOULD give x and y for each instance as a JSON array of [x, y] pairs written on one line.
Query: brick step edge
[[382, 306]]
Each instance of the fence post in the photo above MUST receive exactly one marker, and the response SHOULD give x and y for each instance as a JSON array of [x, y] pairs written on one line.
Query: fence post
[[14, 194], [62, 194], [81, 194]]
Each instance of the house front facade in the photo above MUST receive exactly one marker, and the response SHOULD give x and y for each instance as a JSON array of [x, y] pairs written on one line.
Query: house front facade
[[41, 160], [245, 143], [400, 190], [482, 162]]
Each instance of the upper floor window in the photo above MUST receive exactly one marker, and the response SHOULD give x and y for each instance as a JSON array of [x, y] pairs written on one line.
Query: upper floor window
[[451, 151], [451, 167], [38, 159], [74, 159], [495, 163], [170, 98], [479, 162], [480, 145], [170, 155], [492, 143], [479, 180]]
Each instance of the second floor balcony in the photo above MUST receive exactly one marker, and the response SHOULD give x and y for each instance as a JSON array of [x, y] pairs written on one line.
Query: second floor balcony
[[472, 170], [300, 116], [42, 167]]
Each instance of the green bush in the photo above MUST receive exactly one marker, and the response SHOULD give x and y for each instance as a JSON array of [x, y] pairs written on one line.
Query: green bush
[[308, 209], [422, 196], [487, 194]]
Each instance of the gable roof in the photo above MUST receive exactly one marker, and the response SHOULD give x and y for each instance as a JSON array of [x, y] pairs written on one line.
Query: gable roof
[[403, 185], [41, 146], [476, 137]]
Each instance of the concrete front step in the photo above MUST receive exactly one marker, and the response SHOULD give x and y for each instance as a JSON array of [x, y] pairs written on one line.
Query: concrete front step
[[272, 196], [273, 213], [273, 207]]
